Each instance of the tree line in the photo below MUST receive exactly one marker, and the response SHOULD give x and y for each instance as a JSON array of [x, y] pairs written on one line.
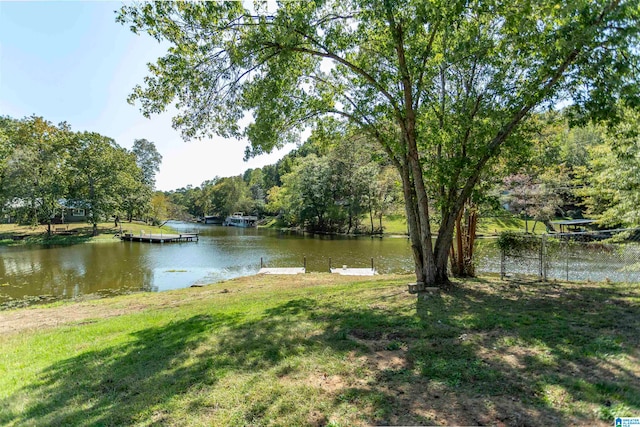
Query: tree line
[[343, 183], [46, 169], [331, 183], [448, 90]]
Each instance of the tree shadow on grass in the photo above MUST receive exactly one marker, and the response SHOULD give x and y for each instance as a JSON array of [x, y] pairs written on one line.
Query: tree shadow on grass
[[117, 385], [536, 349], [122, 384], [477, 355]]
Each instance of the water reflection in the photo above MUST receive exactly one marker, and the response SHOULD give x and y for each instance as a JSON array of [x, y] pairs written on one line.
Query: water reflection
[[227, 252], [221, 253], [70, 271]]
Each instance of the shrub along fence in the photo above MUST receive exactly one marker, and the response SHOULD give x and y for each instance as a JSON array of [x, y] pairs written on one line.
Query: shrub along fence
[[612, 255]]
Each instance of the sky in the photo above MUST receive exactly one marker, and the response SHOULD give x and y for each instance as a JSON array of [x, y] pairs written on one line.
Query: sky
[[70, 61]]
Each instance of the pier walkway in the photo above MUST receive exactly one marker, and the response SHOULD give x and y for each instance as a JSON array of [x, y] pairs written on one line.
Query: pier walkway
[[160, 238]]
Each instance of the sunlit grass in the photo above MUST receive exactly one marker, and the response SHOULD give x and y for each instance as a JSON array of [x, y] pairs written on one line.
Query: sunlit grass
[[79, 233], [489, 226], [320, 349], [394, 224]]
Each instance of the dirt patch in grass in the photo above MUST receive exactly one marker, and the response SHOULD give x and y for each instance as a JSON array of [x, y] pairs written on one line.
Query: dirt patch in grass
[[12, 321], [38, 318], [328, 350]]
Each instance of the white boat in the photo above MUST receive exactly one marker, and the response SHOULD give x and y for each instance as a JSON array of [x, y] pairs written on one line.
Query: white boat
[[238, 219]]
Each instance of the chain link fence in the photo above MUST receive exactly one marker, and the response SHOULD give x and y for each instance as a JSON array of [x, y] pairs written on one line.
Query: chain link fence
[[612, 255]]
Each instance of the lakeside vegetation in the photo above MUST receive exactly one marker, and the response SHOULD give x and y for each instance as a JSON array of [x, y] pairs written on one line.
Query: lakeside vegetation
[[428, 119], [15, 234], [393, 225], [456, 98], [320, 349]]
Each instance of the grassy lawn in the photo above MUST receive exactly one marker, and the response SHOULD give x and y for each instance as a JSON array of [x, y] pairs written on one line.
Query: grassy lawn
[[394, 224], [82, 232], [319, 349], [397, 225], [497, 225]]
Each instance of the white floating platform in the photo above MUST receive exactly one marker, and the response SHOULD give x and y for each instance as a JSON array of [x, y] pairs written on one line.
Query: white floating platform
[[286, 270], [354, 271]]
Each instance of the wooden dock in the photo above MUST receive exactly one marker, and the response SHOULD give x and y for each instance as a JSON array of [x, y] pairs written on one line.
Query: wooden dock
[[159, 238]]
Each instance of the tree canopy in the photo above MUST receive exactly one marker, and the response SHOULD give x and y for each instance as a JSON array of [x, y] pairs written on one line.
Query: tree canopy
[[46, 169], [445, 87], [612, 176]]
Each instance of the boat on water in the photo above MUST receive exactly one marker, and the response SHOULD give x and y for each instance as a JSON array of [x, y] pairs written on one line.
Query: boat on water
[[239, 219]]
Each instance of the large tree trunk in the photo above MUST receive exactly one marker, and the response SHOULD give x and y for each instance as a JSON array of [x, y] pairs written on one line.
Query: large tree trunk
[[412, 222], [462, 247], [430, 273]]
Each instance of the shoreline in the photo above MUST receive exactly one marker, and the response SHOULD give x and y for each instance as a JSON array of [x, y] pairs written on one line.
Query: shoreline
[[87, 306], [75, 233]]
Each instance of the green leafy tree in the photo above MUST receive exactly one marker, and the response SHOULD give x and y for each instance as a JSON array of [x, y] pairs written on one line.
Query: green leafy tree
[[545, 183], [312, 196], [160, 208], [203, 198], [612, 176], [231, 195], [384, 196], [278, 204], [444, 87], [7, 125], [36, 170], [270, 177], [254, 179], [354, 173], [136, 196], [148, 160], [101, 171], [138, 190]]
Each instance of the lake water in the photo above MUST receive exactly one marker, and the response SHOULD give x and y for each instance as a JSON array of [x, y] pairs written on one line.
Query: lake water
[[31, 274], [221, 253]]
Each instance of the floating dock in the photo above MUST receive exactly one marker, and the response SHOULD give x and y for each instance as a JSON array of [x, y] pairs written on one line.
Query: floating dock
[[281, 270], [159, 238], [345, 271]]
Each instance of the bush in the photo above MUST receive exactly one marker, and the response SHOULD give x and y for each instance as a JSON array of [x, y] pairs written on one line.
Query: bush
[[513, 242]]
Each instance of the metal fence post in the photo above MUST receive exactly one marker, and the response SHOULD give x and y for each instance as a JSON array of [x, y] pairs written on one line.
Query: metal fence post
[[566, 259], [502, 267], [543, 271]]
